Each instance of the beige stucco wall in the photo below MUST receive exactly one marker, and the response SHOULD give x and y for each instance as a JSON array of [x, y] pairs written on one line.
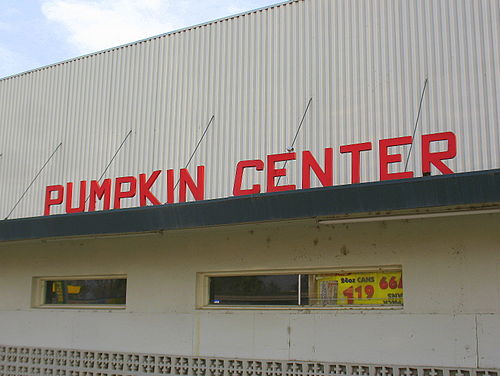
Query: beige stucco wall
[[451, 314]]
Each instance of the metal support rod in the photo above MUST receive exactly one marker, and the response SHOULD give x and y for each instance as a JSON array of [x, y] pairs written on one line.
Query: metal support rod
[[297, 133], [416, 124], [112, 159], [197, 146], [301, 122], [32, 181]]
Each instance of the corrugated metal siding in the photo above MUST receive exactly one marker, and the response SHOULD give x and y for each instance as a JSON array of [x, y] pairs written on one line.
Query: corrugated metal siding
[[363, 62]]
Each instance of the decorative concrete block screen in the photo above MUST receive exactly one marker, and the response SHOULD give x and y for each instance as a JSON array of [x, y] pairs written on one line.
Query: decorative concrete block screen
[[23, 361]]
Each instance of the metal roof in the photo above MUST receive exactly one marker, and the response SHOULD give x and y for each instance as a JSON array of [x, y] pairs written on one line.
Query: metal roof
[[255, 76], [466, 191]]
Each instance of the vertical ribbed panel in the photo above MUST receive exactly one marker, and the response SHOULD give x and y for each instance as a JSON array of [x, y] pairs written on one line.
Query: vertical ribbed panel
[[363, 62]]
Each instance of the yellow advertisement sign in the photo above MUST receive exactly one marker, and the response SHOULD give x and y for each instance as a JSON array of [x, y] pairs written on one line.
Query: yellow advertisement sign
[[74, 289], [367, 288]]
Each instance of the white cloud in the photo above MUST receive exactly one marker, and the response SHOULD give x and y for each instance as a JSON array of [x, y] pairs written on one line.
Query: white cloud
[[12, 62], [8, 62], [4, 26], [99, 24]]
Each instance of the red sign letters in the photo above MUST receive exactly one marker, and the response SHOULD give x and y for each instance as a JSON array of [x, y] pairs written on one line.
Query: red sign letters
[[112, 191]]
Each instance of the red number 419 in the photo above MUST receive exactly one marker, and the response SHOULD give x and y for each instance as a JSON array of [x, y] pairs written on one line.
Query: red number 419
[[349, 293]]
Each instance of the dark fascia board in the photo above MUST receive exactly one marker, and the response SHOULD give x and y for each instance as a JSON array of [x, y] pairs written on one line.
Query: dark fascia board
[[473, 189]]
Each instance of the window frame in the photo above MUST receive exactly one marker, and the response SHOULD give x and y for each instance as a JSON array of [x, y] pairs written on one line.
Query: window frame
[[39, 286], [203, 288]]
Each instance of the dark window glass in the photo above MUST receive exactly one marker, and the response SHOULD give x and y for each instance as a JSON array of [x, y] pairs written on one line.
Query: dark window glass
[[86, 291], [258, 290]]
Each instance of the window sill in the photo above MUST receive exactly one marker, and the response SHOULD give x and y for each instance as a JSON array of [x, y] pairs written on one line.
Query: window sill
[[302, 308], [81, 307]]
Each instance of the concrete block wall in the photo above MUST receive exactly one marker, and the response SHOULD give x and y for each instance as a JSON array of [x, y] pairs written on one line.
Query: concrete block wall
[[451, 314]]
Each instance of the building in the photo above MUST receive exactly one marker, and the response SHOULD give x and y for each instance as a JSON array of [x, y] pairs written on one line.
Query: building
[[245, 197]]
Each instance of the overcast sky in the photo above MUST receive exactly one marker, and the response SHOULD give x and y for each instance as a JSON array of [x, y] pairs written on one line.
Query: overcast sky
[[34, 33]]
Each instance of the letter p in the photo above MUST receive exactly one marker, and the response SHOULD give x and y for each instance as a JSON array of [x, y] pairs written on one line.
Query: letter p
[[49, 201]]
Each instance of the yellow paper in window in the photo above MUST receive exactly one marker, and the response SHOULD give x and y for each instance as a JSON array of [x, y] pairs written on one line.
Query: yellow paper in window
[[351, 289], [73, 289], [57, 288]]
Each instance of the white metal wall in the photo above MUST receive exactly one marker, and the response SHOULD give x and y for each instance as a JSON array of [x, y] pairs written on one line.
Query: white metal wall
[[362, 62]]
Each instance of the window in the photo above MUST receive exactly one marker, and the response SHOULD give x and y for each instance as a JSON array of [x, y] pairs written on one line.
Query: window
[[380, 287], [258, 289], [91, 292]]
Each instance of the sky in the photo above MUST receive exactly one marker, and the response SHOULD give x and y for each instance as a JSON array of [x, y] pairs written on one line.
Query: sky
[[35, 33]]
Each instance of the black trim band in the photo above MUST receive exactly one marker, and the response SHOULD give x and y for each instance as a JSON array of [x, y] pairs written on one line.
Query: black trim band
[[473, 188]]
